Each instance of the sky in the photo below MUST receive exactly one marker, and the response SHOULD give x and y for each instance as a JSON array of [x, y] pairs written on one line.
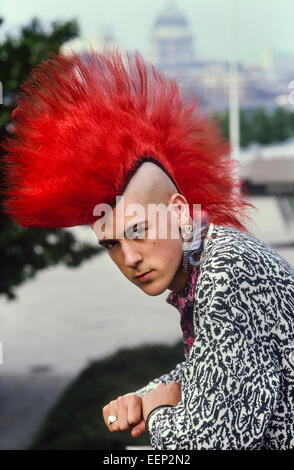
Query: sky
[[260, 24]]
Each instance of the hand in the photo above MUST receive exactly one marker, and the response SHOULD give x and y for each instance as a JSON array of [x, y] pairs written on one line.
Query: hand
[[163, 394], [128, 409]]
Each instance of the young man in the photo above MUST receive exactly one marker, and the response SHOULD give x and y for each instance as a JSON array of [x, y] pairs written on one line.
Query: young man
[[87, 130]]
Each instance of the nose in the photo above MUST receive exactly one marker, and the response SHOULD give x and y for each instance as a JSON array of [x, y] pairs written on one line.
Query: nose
[[130, 252]]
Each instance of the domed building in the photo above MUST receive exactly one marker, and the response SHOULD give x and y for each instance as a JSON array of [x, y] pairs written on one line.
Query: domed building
[[172, 51], [172, 44]]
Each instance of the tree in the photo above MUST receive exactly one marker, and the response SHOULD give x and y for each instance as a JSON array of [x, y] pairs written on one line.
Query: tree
[[260, 126], [25, 251], [282, 124]]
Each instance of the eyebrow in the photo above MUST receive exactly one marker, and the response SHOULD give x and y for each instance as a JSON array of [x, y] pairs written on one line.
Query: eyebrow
[[106, 240]]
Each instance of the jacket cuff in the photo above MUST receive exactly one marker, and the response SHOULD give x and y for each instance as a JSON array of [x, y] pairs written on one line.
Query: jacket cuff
[[152, 414]]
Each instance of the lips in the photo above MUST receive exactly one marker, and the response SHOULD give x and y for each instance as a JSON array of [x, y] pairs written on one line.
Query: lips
[[139, 276]]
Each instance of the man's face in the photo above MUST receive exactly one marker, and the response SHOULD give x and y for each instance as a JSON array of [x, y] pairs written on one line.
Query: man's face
[[137, 254]]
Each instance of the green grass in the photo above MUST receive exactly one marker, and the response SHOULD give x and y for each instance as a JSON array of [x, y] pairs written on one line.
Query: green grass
[[76, 422]]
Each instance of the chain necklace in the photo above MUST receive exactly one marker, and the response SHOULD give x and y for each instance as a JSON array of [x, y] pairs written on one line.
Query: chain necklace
[[194, 258], [185, 291]]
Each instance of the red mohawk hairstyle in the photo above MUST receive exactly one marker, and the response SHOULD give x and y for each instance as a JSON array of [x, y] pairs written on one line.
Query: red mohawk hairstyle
[[82, 126]]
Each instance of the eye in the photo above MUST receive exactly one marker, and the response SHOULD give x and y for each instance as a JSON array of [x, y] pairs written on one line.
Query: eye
[[108, 245], [139, 229]]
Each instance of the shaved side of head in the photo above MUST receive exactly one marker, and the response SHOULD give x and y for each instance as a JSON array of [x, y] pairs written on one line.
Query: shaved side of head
[[150, 185]]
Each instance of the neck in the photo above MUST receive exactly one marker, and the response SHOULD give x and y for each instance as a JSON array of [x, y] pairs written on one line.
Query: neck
[[180, 279]]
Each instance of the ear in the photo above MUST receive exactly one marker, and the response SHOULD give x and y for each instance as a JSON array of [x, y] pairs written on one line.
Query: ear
[[180, 205]]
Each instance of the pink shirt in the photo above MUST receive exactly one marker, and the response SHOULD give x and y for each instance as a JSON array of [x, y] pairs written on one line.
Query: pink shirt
[[184, 303], [185, 306]]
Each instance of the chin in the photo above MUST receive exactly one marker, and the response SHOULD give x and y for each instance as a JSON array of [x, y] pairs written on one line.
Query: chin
[[152, 289]]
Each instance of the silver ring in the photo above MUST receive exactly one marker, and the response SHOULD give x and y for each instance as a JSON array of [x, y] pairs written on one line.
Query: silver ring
[[112, 419]]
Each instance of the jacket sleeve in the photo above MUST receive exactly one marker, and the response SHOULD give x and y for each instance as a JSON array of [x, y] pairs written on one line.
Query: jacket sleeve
[[174, 375], [230, 380], [227, 399]]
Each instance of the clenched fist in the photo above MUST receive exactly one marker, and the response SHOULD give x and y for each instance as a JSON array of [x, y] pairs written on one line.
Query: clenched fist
[[128, 409], [133, 410]]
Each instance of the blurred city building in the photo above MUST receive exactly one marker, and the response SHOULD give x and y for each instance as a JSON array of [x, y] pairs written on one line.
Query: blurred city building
[[269, 170], [172, 43], [261, 83]]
